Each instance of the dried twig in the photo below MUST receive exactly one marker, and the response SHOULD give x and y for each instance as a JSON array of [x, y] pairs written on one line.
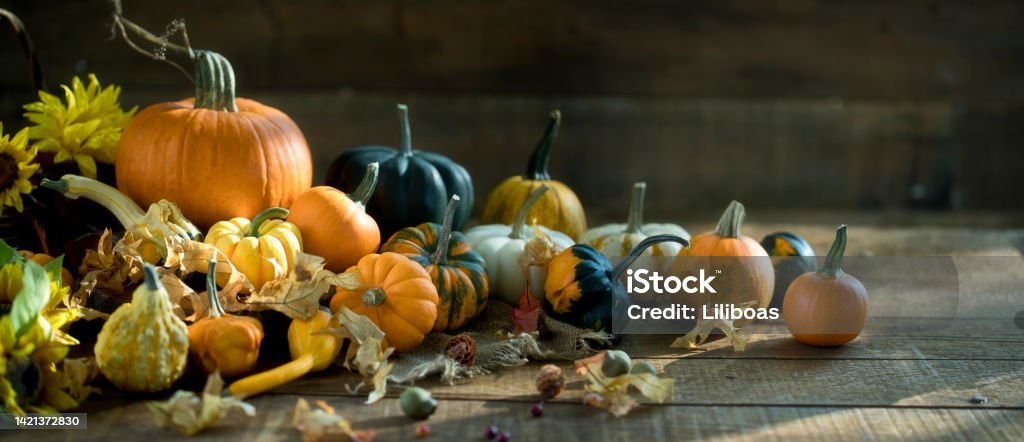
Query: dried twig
[[162, 42]]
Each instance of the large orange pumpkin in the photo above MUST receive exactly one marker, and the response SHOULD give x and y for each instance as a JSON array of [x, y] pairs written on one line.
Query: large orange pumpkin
[[215, 156], [747, 274], [397, 294], [335, 225]]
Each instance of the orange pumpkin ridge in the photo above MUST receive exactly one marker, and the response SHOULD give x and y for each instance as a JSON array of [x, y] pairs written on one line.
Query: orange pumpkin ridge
[[189, 151], [396, 294]]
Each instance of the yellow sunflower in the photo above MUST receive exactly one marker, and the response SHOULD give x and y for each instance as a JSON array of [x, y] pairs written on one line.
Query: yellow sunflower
[[17, 165], [85, 130], [32, 344]]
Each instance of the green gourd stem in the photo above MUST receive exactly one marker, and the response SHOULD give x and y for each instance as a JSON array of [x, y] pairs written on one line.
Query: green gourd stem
[[440, 255], [729, 224], [641, 248], [58, 185], [263, 217], [537, 169], [636, 208], [405, 147], [216, 310], [151, 279], [366, 187], [834, 259], [215, 82], [374, 297], [524, 210]]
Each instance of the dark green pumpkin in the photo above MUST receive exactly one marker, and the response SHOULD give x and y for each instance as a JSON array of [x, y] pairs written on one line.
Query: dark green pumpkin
[[413, 186], [583, 289], [792, 256], [457, 271]]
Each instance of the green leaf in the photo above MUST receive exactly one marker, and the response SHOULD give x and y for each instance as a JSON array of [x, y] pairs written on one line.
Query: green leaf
[[35, 292], [7, 253], [54, 268]]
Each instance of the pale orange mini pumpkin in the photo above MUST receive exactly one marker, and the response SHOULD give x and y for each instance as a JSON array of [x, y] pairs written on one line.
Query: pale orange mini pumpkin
[[335, 225], [747, 276], [215, 156], [827, 308]]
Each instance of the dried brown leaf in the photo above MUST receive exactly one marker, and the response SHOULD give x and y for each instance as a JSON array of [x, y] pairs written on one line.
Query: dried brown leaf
[[323, 424], [704, 327], [612, 393], [190, 414], [77, 374]]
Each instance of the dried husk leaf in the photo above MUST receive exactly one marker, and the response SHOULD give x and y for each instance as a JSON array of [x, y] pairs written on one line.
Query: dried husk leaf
[[296, 295], [109, 267], [612, 393], [704, 327], [323, 424], [538, 250], [189, 414], [77, 374], [366, 353]]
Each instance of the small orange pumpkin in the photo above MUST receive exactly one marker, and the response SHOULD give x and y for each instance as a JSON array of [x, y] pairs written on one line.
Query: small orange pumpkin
[[457, 271], [335, 225], [396, 294], [221, 341], [747, 275], [215, 156], [826, 308]]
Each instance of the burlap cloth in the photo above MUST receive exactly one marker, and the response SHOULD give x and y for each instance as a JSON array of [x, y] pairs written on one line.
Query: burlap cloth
[[497, 347]]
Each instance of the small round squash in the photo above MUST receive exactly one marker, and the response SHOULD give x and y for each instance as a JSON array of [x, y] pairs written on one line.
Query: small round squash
[[456, 270], [559, 209], [335, 225], [827, 308], [263, 249], [221, 341], [397, 294]]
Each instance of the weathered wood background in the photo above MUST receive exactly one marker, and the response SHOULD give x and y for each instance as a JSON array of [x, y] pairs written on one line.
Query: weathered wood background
[[807, 104]]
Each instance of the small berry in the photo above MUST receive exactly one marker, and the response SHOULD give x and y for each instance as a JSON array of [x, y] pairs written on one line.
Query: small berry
[[491, 432], [422, 430], [537, 410], [505, 436]]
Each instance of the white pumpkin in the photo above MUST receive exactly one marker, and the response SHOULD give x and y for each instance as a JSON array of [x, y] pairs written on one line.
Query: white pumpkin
[[615, 241], [502, 245]]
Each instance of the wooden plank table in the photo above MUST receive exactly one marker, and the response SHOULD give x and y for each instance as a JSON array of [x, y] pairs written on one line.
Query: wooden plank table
[[890, 383]]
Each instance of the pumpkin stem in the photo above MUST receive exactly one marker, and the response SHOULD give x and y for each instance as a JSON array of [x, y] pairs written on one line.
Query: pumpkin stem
[[216, 309], [641, 248], [215, 82], [264, 216], [729, 224], [405, 147], [636, 208], [374, 297], [537, 169], [524, 210], [440, 255], [362, 193], [151, 279], [834, 258]]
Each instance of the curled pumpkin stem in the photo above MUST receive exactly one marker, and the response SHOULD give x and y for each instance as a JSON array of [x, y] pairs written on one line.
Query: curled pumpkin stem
[[537, 168], [440, 255], [524, 210], [834, 259]]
